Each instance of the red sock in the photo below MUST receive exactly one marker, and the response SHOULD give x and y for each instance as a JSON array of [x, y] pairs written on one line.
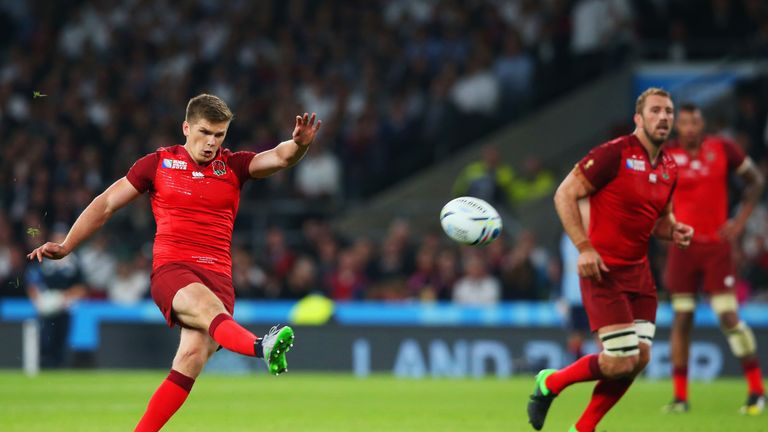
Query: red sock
[[165, 402], [604, 397], [232, 335], [753, 375], [680, 380], [586, 368]]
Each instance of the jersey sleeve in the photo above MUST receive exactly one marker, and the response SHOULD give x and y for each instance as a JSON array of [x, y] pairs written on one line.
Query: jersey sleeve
[[601, 164], [142, 173], [733, 154], [239, 162]]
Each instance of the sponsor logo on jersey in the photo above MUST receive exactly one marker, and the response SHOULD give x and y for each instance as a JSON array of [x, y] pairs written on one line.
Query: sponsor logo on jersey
[[197, 174], [174, 164], [219, 168], [636, 164], [652, 177]]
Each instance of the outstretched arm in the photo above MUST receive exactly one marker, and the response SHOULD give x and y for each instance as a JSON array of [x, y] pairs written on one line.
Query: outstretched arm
[[567, 196], [287, 153], [92, 218]]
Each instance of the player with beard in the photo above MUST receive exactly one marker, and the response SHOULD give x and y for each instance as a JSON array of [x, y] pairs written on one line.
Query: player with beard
[[628, 184], [701, 199]]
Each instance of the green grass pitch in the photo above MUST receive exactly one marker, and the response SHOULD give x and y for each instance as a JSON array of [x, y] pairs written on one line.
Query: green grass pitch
[[114, 401]]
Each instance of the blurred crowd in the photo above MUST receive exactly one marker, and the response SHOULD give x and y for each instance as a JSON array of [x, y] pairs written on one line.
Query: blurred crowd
[[403, 267], [87, 87]]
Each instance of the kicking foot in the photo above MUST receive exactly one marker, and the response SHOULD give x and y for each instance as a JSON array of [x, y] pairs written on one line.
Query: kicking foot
[[275, 344], [540, 400], [755, 405], [677, 406]]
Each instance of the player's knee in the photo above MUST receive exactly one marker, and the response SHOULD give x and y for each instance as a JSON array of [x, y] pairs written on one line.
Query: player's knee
[[192, 358], [724, 304], [621, 352], [618, 367], [728, 320], [643, 359]]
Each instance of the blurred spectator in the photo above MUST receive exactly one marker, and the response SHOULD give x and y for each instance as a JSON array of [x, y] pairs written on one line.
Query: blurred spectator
[[278, 256], [476, 287], [421, 283], [347, 281], [364, 250], [12, 280], [301, 280], [524, 272], [391, 263], [514, 69], [98, 264], [249, 279], [534, 182], [477, 92], [489, 179], [53, 286], [130, 283], [570, 294], [318, 176], [447, 272]]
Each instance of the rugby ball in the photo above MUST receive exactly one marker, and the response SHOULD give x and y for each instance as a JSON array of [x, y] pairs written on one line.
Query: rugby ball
[[470, 221]]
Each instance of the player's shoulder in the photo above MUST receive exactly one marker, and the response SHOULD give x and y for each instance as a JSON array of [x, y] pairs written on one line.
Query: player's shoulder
[[621, 142], [717, 141], [174, 149], [615, 146]]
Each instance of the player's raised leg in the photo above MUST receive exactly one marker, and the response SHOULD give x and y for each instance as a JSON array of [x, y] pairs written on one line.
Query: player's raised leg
[[195, 348], [609, 390], [744, 346], [680, 342], [615, 368], [197, 307]]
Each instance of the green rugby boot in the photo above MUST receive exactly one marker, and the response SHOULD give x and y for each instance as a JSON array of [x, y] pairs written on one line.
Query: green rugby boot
[[275, 345]]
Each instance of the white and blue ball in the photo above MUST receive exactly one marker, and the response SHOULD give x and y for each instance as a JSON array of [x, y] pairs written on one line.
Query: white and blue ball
[[470, 221]]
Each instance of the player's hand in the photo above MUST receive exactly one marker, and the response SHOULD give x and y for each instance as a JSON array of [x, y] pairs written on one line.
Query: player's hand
[[591, 265], [49, 250], [731, 230], [682, 235], [306, 129]]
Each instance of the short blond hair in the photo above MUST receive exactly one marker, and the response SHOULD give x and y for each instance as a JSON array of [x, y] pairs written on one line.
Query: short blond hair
[[208, 107], [651, 91]]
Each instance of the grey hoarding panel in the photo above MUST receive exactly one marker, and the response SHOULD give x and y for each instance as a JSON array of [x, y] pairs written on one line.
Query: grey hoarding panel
[[414, 351], [405, 351]]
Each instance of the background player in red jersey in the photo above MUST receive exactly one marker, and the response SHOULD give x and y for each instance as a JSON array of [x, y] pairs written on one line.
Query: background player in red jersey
[[195, 192], [628, 183], [701, 199]]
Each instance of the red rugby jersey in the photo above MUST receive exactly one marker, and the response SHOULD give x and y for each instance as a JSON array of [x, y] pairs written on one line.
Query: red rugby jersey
[[194, 205], [630, 196], [701, 197]]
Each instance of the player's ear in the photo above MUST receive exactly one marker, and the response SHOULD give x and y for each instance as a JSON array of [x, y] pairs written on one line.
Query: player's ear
[[185, 128], [638, 119]]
